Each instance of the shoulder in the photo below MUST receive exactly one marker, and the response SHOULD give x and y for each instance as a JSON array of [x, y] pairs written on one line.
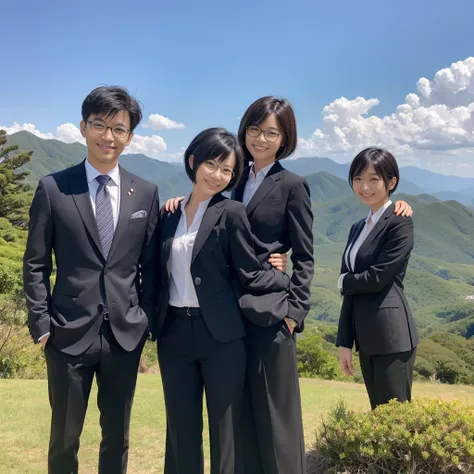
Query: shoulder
[[399, 221], [292, 179], [139, 182], [61, 175]]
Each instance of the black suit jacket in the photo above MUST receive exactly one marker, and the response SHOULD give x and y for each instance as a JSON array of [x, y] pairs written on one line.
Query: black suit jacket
[[281, 220], [375, 313], [62, 221], [223, 251]]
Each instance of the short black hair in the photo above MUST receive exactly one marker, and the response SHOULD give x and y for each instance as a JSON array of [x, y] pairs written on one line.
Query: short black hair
[[108, 101], [383, 161], [212, 144], [258, 112]]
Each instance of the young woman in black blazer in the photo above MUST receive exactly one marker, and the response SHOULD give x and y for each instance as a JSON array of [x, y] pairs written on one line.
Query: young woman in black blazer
[[206, 249], [375, 315]]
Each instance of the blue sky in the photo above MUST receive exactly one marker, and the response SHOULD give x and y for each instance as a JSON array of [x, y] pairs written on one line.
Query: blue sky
[[201, 63]]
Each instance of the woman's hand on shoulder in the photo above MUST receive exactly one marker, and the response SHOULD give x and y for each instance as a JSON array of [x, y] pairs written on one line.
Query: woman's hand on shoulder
[[403, 209], [172, 204]]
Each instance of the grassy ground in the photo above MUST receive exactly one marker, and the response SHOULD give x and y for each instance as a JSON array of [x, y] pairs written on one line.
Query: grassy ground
[[25, 417]]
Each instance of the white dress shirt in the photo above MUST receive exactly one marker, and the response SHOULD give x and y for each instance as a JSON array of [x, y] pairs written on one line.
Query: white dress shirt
[[254, 182], [113, 188], [182, 291], [351, 252]]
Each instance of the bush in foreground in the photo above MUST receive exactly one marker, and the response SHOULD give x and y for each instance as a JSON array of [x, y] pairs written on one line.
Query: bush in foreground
[[422, 437]]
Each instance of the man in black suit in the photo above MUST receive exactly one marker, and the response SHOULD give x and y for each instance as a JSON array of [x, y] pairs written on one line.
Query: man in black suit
[[100, 221]]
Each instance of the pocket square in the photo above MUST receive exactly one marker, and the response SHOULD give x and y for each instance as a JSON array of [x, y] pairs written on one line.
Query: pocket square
[[138, 214]]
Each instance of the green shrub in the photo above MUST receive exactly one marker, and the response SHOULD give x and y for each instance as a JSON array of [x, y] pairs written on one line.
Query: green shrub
[[423, 437]]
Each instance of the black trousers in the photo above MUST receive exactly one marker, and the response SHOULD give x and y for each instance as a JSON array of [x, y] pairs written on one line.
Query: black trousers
[[69, 384], [192, 361], [272, 418], [388, 376]]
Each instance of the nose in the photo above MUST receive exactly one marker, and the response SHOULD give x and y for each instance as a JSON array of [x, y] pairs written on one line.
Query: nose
[[261, 138], [108, 135]]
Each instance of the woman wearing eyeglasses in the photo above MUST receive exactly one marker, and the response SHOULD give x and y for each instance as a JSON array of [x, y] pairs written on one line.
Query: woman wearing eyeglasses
[[206, 245], [278, 206]]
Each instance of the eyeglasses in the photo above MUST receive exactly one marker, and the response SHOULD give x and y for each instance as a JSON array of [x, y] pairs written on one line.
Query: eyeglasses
[[212, 167], [118, 131], [270, 135]]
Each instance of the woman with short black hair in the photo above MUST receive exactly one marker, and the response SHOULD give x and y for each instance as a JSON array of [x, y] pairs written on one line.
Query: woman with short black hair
[[205, 247], [375, 315]]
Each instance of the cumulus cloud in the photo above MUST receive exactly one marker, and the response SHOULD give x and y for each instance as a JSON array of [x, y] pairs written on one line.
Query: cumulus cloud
[[152, 146], [69, 133], [440, 117], [29, 127], [160, 122]]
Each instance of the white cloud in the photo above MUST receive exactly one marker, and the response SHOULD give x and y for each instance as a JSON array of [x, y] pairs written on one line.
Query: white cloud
[[160, 122], [69, 133], [29, 127], [440, 118], [153, 146]]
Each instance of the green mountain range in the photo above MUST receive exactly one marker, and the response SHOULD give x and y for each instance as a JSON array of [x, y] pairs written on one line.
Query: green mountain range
[[440, 278]]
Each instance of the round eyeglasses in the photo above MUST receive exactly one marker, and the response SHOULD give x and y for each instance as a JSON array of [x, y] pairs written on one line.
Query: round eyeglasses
[[100, 128], [270, 135]]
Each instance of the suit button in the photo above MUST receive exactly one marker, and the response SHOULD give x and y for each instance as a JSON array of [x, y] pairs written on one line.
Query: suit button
[[100, 307], [197, 281], [106, 271]]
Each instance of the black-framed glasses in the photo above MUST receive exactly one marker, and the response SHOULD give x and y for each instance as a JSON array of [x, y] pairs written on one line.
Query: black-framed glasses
[[100, 128], [212, 167], [270, 135]]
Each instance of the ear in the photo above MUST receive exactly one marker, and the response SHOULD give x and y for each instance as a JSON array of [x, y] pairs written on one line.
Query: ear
[[392, 183], [191, 161], [83, 128], [130, 136]]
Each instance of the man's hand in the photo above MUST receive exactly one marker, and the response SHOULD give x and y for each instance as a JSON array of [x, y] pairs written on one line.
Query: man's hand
[[278, 260], [345, 360], [172, 204], [43, 341], [403, 209]]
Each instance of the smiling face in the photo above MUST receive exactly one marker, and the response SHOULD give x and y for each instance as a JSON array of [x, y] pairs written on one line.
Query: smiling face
[[371, 189], [262, 149], [104, 149], [212, 176]]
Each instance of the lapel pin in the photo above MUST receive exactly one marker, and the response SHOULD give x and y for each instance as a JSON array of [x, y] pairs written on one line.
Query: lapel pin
[[131, 191]]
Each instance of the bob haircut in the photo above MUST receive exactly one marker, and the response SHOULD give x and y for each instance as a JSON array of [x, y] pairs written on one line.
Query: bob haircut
[[383, 161], [258, 112], [214, 144], [108, 101]]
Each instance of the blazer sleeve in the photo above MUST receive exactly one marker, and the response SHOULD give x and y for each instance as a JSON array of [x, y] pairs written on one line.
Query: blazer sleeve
[[246, 265], [390, 259], [37, 263], [149, 260], [345, 329], [300, 225]]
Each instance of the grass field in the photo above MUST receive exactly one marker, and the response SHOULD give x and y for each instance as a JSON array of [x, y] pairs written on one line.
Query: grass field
[[25, 417]]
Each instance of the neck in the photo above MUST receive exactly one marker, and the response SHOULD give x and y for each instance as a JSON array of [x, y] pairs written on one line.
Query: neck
[[103, 168], [260, 164], [197, 197], [379, 205]]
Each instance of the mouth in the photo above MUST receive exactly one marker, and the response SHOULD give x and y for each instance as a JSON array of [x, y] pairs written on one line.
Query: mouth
[[366, 195], [212, 184], [260, 148], [106, 148]]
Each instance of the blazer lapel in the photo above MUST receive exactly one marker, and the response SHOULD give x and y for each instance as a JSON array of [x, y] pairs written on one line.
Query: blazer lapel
[[265, 187], [126, 208], [357, 229], [366, 247], [81, 196], [212, 214], [170, 224]]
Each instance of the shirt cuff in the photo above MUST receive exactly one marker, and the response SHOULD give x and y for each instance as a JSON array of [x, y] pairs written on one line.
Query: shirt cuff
[[340, 280], [43, 336]]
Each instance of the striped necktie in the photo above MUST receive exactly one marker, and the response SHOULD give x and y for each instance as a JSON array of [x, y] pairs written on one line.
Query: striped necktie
[[103, 214]]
